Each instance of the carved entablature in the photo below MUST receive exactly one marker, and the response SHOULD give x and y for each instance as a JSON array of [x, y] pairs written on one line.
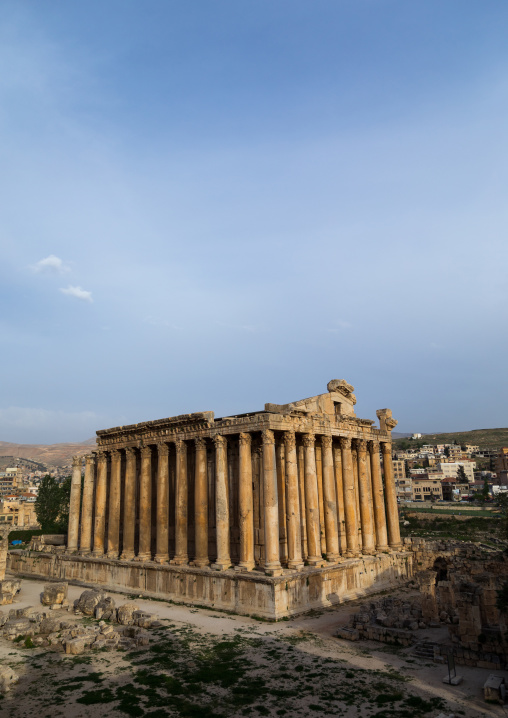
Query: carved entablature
[[341, 386], [154, 430]]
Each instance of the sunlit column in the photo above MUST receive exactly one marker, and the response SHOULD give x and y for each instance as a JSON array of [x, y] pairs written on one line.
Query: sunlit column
[[378, 498], [74, 503], [348, 480], [100, 504], [145, 506], [201, 505], [392, 511], [366, 513], [271, 508], [129, 505], [339, 491], [245, 503], [85, 541], [162, 507], [223, 561], [312, 503], [329, 501], [293, 503], [181, 508]]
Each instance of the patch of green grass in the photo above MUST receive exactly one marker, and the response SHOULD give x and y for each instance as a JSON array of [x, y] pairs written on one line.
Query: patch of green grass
[[102, 695]]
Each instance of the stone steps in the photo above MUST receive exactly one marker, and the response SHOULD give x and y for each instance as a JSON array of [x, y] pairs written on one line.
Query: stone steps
[[424, 649]]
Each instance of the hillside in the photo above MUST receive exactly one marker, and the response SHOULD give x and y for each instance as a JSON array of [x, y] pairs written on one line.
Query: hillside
[[50, 455], [484, 438]]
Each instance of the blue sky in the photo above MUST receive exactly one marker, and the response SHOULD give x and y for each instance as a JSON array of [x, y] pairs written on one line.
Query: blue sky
[[212, 205]]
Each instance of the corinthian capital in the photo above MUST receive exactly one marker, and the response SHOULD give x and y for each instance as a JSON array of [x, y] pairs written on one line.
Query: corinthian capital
[[162, 448], [345, 442], [77, 461], [309, 440], [289, 440], [200, 443], [245, 439], [90, 459], [146, 452], [386, 448], [219, 441], [373, 447], [361, 446], [267, 436], [326, 442]]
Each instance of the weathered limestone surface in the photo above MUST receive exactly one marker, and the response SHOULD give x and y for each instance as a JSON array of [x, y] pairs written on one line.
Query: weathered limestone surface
[[54, 594], [250, 593]]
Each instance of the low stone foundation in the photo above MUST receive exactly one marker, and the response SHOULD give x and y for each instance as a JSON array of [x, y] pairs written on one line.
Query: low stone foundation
[[250, 593]]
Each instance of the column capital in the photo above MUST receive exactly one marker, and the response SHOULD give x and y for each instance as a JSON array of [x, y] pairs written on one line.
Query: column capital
[[200, 443], [146, 452], [289, 440], [90, 460], [130, 451], [245, 439], [180, 446], [373, 447], [345, 442], [309, 440], [162, 448], [386, 447], [77, 461], [361, 445], [101, 457], [267, 437], [219, 441], [115, 453], [326, 442]]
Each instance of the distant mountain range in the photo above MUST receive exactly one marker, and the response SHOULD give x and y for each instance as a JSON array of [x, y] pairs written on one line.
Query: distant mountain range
[[58, 455]]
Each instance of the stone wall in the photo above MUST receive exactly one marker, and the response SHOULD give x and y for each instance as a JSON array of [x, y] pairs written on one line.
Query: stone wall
[[251, 593]]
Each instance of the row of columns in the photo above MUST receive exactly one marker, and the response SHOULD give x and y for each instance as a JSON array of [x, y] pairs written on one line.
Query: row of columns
[[358, 514]]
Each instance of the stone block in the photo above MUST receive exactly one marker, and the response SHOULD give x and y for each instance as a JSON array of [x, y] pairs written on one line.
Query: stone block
[[9, 588], [49, 625], [7, 678], [88, 601], [54, 594]]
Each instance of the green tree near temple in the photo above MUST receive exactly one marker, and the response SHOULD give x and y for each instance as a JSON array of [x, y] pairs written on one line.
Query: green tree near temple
[[52, 504]]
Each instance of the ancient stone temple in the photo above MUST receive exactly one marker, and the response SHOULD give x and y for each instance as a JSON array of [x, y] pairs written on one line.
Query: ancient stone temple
[[241, 501]]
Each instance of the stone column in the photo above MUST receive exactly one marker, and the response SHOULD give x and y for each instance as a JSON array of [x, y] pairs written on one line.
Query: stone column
[[129, 505], [293, 503], [392, 511], [300, 453], [329, 501], [339, 490], [114, 504], [349, 497], [85, 539], [75, 500], [223, 561], [100, 504], [312, 503], [354, 461], [366, 513], [181, 556], [246, 504], [271, 505], [378, 498], [161, 537], [145, 506], [201, 505]]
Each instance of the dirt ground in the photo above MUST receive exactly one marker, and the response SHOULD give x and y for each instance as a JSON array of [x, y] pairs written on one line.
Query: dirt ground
[[215, 665]]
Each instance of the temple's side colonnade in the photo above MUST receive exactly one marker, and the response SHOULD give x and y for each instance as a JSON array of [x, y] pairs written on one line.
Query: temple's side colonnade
[[262, 499]]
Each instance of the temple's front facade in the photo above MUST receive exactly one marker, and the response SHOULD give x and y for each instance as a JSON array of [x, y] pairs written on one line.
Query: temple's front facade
[[243, 500]]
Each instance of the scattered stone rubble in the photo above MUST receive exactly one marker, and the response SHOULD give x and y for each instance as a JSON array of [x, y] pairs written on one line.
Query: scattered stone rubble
[[389, 620], [46, 630], [458, 587], [9, 588]]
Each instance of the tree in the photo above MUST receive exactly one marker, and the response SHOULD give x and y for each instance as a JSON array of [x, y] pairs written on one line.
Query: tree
[[52, 504], [461, 475]]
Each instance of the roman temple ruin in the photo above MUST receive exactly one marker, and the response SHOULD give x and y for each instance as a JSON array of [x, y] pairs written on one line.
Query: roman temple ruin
[[270, 513]]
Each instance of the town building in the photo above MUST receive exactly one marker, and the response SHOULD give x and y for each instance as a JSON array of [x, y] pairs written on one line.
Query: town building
[[427, 489]]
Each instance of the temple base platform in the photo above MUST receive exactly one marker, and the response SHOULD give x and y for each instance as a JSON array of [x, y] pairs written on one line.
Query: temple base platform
[[249, 593]]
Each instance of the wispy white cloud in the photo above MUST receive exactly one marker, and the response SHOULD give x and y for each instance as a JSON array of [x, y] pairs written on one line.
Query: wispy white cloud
[[77, 292], [51, 265], [340, 324]]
